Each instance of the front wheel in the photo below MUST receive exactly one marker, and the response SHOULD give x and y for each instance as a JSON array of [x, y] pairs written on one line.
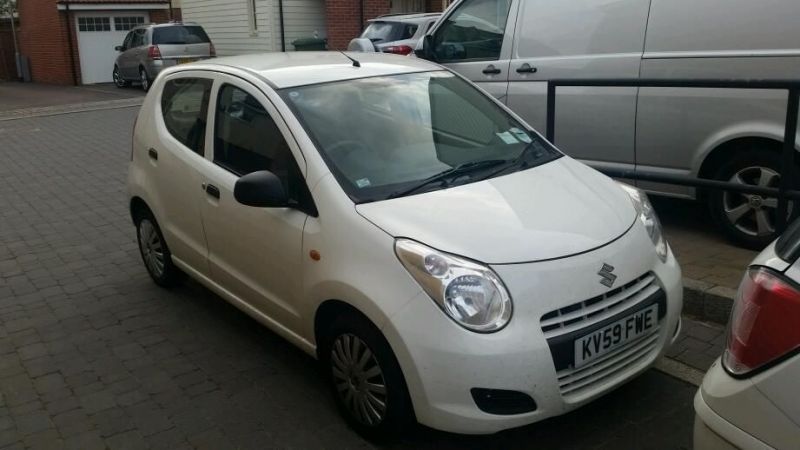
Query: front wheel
[[748, 219], [365, 378], [118, 80]]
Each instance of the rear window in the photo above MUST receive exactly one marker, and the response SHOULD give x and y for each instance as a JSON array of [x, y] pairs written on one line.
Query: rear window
[[179, 35], [184, 105], [378, 32]]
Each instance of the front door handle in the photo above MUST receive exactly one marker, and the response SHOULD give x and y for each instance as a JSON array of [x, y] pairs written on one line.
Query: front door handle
[[153, 154], [212, 190], [491, 70], [527, 68]]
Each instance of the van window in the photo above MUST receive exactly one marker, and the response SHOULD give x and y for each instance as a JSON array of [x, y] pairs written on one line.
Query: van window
[[184, 106], [473, 32], [580, 27]]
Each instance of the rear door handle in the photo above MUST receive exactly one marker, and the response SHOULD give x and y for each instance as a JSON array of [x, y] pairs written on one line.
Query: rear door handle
[[153, 154], [212, 190], [527, 68], [491, 70]]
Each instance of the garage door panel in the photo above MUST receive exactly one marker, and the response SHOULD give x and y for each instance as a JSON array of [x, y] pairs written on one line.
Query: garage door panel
[[98, 33]]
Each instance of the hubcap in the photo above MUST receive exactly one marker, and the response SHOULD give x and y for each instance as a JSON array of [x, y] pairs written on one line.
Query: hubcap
[[359, 379], [753, 214], [117, 78], [145, 82], [152, 248]]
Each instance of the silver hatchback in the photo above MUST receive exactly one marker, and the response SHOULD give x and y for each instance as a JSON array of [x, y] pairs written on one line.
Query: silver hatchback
[[150, 48]]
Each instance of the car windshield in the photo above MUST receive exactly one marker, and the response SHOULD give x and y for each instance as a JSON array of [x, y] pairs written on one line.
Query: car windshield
[[388, 31], [179, 35], [390, 136]]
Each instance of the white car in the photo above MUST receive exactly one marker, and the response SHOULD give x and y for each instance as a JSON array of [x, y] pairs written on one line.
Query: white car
[[442, 260], [749, 398]]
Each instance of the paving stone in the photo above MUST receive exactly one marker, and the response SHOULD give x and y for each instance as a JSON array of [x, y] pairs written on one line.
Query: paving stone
[[88, 440], [97, 401]]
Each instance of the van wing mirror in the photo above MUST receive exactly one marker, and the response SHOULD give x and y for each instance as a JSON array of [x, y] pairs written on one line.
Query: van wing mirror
[[424, 48], [262, 189]]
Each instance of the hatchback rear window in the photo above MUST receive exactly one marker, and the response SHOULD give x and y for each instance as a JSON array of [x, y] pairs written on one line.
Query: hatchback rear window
[[378, 32], [179, 35]]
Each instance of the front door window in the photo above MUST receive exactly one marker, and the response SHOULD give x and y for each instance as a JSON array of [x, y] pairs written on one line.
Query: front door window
[[474, 32]]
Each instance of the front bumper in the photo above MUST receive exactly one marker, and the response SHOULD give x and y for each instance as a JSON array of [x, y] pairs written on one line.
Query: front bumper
[[442, 362]]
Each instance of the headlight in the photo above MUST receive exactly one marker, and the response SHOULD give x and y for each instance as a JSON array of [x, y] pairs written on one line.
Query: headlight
[[649, 218], [470, 293]]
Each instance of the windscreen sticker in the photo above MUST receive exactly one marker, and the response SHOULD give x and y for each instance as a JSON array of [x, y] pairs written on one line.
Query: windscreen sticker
[[507, 137], [363, 182], [521, 135]]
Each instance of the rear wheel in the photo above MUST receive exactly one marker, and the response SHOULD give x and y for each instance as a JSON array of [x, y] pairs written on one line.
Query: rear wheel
[[155, 253], [144, 79], [748, 219], [118, 80], [365, 378]]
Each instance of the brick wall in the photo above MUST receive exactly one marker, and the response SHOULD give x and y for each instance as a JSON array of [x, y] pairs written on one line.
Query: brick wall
[[342, 18], [160, 16], [43, 38]]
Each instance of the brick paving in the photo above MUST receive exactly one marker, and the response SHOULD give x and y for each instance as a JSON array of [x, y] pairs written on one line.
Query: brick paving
[[94, 355]]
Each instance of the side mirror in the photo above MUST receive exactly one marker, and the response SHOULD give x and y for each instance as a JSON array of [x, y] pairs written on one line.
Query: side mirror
[[262, 189], [118, 48], [424, 48]]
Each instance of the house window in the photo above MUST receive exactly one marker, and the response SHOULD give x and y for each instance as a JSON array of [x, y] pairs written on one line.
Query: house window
[[126, 23], [94, 24]]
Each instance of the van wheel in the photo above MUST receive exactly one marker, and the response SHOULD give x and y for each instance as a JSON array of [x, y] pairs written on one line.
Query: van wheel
[[144, 79], [365, 378], [748, 219], [155, 253], [118, 80]]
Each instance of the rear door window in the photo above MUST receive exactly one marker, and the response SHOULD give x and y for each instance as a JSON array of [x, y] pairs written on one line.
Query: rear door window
[[179, 35], [184, 106]]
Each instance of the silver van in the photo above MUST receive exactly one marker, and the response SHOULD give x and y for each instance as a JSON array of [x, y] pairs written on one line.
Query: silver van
[[148, 49], [511, 48]]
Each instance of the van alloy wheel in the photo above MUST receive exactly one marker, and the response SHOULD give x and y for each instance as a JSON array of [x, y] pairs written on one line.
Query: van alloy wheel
[[359, 379], [753, 214], [152, 248]]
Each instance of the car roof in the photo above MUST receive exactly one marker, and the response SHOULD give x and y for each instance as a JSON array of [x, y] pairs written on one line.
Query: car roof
[[292, 69], [416, 17], [168, 24]]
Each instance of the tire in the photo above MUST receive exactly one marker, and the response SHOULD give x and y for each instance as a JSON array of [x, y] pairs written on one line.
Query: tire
[[749, 220], [144, 79], [155, 254], [118, 80], [357, 385]]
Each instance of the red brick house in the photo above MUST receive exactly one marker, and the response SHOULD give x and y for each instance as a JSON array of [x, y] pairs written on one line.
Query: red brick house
[[72, 41]]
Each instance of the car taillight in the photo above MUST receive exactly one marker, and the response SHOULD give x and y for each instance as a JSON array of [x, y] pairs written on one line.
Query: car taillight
[[398, 49], [211, 50], [765, 322], [153, 52]]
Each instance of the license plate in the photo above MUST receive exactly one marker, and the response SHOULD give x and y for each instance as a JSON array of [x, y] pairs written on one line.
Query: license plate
[[186, 60], [614, 335]]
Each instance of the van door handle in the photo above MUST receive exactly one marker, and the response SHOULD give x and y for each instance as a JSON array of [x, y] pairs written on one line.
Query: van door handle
[[527, 68], [153, 154], [491, 70], [212, 191]]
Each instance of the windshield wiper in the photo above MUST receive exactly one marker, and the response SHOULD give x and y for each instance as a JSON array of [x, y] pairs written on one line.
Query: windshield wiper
[[455, 172]]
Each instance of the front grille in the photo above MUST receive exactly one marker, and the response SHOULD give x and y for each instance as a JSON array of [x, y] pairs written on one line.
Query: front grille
[[564, 326], [579, 315]]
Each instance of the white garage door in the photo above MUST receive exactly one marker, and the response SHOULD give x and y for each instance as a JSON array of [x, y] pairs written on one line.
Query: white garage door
[[98, 34]]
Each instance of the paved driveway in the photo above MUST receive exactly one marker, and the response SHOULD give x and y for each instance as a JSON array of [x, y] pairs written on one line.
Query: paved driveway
[[93, 355]]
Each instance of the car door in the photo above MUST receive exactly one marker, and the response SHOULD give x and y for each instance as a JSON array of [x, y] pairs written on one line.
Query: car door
[[178, 155], [131, 62], [123, 59], [254, 253], [580, 39], [475, 40]]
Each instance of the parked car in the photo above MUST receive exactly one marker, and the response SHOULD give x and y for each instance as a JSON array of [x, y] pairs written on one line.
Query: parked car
[[395, 33], [148, 49], [749, 398], [441, 259], [511, 48]]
